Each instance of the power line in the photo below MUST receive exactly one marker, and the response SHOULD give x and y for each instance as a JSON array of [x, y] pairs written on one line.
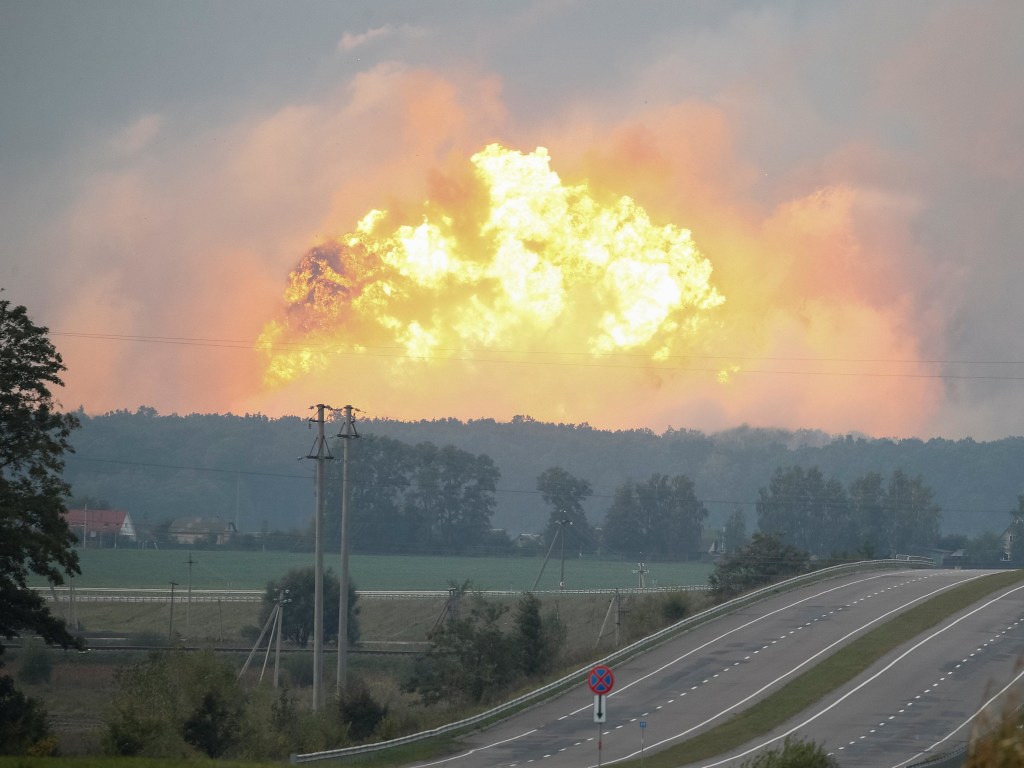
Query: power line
[[480, 356]]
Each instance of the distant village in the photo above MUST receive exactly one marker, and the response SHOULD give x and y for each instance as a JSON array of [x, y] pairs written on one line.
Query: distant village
[[113, 528]]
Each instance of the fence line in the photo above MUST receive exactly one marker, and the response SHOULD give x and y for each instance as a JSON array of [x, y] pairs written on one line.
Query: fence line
[[161, 595]]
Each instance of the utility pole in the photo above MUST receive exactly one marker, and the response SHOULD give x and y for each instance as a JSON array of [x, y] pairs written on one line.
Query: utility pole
[[561, 578], [170, 628], [641, 569], [188, 604], [348, 434], [282, 598], [560, 531], [321, 454]]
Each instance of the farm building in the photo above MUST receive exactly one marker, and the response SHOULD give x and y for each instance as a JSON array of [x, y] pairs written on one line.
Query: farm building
[[201, 530], [100, 527]]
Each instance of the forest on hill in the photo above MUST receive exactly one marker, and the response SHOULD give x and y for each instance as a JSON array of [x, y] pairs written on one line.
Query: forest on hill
[[253, 470]]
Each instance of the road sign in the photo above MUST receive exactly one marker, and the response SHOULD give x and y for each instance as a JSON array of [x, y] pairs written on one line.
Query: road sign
[[600, 709], [643, 724], [601, 679]]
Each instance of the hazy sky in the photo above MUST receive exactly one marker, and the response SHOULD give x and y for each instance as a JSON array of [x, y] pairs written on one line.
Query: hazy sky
[[851, 172]]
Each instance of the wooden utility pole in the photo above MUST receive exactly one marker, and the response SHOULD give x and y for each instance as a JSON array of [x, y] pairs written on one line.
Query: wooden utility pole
[[348, 434]]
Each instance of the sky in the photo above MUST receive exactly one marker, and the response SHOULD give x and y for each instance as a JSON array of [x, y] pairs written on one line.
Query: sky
[[687, 214]]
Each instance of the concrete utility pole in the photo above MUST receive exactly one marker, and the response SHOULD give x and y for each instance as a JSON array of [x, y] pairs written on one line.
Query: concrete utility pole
[[641, 569], [321, 454], [188, 605], [282, 598], [348, 434], [561, 577], [559, 532], [170, 628]]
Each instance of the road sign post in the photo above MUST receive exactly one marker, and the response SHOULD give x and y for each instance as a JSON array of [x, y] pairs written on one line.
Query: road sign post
[[601, 680]]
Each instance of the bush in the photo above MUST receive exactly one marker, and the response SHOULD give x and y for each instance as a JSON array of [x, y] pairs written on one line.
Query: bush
[[649, 613], [997, 742], [174, 704], [358, 710], [23, 726], [674, 607], [213, 725]]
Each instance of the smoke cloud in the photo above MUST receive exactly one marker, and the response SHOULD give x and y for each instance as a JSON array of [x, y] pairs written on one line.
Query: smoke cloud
[[856, 196]]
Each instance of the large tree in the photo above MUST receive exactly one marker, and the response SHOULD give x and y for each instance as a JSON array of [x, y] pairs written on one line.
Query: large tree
[[298, 588], [451, 499], [565, 494], [806, 510], [659, 516], [915, 515], [34, 536], [379, 472]]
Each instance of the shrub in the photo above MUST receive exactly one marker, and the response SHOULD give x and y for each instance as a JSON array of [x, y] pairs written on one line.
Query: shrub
[[213, 725], [23, 726], [358, 710], [997, 742], [173, 704], [674, 607]]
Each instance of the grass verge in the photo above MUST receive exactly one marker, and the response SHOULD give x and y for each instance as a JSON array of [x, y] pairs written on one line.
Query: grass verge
[[825, 677]]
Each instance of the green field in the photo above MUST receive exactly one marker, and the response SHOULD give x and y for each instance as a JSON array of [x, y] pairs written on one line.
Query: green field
[[214, 569]]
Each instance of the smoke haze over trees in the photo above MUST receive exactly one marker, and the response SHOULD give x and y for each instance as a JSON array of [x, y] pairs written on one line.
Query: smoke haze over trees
[[244, 468]]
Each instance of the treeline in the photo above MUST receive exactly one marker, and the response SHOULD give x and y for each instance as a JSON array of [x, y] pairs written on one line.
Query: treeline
[[872, 516], [441, 500], [244, 469]]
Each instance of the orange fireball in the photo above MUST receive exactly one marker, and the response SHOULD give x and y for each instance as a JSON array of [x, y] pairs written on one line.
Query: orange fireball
[[540, 267]]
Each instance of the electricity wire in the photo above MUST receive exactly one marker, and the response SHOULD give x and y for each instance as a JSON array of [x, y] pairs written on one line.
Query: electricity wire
[[482, 356]]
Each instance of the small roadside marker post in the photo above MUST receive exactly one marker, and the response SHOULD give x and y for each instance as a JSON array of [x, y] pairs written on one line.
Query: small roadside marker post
[[643, 727]]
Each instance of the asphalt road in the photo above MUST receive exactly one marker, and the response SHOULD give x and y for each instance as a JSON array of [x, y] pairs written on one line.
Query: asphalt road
[[910, 703]]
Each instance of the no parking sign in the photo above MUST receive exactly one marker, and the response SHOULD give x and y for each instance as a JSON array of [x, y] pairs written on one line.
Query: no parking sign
[[601, 680]]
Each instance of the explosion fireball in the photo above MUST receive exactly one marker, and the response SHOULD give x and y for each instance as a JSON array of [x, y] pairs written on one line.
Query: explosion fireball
[[523, 264]]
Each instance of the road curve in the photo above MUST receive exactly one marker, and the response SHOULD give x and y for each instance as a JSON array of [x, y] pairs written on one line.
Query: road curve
[[918, 701], [702, 677]]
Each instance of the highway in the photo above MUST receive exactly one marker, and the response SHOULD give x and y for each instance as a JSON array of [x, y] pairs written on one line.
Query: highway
[[911, 703]]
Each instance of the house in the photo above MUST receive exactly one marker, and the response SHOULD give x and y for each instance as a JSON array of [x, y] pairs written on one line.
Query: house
[[528, 541], [200, 530], [100, 527]]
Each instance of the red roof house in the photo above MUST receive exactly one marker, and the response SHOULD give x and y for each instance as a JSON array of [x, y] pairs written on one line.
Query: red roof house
[[100, 526]]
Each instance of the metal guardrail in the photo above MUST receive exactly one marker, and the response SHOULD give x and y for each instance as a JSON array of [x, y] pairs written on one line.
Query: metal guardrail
[[623, 654]]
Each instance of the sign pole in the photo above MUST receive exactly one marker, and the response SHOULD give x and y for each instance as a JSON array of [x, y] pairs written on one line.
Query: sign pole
[[601, 680]]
